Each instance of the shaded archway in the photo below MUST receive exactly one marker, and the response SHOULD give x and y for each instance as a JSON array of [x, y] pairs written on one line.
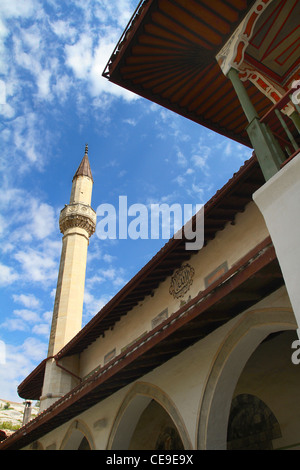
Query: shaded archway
[[247, 333], [37, 445], [155, 430], [148, 420], [78, 437]]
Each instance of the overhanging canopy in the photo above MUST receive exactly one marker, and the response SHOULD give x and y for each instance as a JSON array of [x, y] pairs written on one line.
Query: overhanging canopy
[[167, 54]]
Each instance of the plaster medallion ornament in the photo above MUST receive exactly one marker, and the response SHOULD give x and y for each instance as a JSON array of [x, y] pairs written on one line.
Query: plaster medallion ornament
[[181, 281]]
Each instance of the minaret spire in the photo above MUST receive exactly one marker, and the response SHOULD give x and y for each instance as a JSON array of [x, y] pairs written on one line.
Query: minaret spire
[[82, 182], [84, 168], [77, 223]]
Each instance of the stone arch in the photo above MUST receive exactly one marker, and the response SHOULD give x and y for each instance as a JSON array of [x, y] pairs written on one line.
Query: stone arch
[[78, 437], [239, 344], [139, 398], [36, 445]]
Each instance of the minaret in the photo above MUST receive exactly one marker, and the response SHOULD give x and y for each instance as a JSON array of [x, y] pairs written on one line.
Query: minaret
[[77, 223]]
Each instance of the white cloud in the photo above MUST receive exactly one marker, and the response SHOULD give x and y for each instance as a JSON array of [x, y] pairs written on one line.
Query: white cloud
[[19, 362], [179, 180], [7, 275], [28, 141], [130, 122], [21, 320], [197, 189], [108, 278], [94, 304], [7, 111], [32, 38], [199, 161], [39, 266], [119, 282], [42, 329], [43, 220], [43, 83], [28, 316], [200, 158], [181, 159], [228, 149], [64, 30], [28, 320], [95, 280], [15, 324], [109, 273], [79, 57], [62, 86], [17, 366], [29, 50], [28, 300], [106, 10], [88, 57], [116, 276], [3, 32], [26, 218], [17, 9], [108, 258], [34, 349], [47, 316], [3, 225]]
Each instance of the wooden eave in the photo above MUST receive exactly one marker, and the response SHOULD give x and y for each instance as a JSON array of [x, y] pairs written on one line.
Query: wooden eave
[[167, 55], [254, 277]]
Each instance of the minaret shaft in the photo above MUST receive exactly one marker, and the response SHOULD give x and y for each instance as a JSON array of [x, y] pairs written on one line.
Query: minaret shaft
[[81, 191], [68, 306]]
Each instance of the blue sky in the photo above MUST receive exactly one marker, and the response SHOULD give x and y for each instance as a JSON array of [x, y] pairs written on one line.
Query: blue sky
[[54, 101]]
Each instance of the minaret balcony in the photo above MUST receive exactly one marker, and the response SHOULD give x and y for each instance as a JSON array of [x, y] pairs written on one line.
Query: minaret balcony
[[78, 215]]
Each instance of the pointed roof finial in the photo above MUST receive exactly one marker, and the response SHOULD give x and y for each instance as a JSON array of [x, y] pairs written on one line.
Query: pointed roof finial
[[84, 168]]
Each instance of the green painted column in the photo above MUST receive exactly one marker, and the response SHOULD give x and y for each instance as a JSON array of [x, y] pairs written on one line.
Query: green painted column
[[269, 153], [242, 94], [296, 120]]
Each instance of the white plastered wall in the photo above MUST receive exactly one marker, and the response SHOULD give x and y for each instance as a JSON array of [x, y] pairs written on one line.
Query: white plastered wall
[[230, 245], [279, 203]]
